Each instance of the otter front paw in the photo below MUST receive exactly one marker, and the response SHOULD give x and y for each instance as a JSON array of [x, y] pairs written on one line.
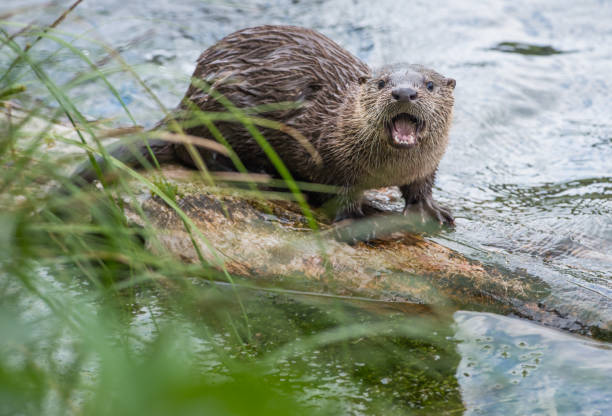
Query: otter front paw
[[428, 210]]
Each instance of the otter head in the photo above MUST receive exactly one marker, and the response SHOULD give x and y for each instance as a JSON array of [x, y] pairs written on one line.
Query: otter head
[[407, 105]]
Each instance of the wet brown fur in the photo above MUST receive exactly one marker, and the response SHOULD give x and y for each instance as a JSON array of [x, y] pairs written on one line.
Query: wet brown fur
[[342, 112]]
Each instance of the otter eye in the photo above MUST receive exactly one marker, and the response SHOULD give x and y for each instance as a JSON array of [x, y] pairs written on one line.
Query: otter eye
[[381, 84], [430, 85]]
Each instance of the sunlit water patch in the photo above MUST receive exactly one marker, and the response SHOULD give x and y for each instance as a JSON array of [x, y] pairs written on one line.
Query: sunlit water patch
[[514, 367]]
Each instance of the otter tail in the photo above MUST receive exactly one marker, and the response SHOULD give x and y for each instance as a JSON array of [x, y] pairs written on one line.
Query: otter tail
[[135, 156]]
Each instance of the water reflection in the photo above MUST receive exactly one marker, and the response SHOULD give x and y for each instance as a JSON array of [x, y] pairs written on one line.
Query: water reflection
[[514, 367], [363, 357], [526, 49]]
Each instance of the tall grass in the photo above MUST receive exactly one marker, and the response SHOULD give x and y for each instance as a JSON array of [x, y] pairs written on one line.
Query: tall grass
[[93, 321]]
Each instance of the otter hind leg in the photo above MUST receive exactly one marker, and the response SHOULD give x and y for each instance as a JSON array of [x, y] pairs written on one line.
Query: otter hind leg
[[351, 207], [352, 210], [347, 204]]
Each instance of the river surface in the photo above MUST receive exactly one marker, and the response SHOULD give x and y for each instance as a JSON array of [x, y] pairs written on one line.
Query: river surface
[[528, 172]]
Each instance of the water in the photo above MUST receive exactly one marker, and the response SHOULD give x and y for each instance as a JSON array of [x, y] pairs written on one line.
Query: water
[[513, 367], [528, 171], [470, 363]]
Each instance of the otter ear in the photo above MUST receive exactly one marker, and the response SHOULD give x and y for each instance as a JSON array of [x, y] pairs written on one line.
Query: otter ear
[[363, 79], [450, 82]]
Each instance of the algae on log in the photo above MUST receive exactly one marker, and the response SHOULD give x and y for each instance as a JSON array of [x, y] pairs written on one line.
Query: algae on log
[[270, 241]]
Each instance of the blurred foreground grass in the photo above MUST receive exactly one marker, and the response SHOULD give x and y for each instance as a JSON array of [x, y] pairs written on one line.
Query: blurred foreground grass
[[93, 323]]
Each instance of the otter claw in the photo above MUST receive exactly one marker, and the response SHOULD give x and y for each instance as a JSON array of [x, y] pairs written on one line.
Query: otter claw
[[427, 210]]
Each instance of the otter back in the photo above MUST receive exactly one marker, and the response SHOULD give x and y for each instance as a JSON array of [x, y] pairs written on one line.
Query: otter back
[[325, 113]]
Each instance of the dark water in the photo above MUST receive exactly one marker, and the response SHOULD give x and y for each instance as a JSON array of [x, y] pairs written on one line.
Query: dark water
[[472, 364], [529, 169]]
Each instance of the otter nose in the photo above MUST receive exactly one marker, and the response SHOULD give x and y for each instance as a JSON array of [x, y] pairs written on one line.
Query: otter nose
[[404, 94]]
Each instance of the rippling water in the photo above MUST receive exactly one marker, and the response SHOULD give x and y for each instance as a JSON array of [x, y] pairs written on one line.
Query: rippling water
[[529, 167]]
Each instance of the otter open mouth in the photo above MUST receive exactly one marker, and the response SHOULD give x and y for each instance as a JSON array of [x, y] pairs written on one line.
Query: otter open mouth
[[404, 130]]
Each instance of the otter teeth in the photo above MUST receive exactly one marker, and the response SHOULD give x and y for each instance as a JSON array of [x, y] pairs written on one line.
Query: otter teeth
[[404, 139], [404, 130]]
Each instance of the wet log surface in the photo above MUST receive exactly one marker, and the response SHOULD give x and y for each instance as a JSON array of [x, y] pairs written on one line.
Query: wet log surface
[[270, 243]]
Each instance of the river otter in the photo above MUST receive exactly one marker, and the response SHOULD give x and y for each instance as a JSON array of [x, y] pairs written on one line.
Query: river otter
[[363, 129]]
